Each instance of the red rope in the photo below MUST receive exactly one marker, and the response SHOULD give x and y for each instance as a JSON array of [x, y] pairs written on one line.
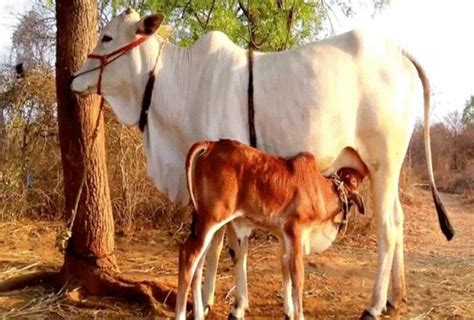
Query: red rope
[[104, 59]]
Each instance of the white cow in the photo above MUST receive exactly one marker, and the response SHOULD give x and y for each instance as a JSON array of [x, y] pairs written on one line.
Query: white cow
[[353, 92]]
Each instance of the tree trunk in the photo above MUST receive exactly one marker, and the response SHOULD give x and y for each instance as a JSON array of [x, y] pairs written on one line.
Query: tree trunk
[[89, 260], [92, 241]]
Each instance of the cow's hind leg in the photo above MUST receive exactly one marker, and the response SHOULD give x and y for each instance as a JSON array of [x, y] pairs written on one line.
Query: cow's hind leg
[[398, 290], [385, 190]]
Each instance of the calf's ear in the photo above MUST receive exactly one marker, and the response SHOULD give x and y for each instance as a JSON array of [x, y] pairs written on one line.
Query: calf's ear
[[148, 25], [359, 202]]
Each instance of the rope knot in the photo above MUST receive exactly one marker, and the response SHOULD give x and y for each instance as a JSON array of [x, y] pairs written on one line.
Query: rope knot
[[343, 196]]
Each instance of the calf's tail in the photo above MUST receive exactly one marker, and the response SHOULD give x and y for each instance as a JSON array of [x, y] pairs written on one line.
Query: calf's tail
[[198, 149]]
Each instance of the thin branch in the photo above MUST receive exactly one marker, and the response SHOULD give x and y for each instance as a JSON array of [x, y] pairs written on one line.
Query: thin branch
[[198, 18], [327, 7], [209, 13], [185, 8], [246, 13]]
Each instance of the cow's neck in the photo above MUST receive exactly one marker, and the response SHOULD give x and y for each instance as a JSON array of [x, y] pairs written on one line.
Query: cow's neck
[[126, 98], [200, 94]]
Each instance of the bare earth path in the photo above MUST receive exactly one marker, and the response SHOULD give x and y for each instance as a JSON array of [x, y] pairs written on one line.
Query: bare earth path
[[440, 274]]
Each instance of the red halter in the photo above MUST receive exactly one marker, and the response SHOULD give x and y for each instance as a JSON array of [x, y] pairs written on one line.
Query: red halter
[[110, 57]]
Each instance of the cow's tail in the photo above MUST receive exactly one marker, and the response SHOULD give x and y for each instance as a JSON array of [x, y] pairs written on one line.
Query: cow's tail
[[444, 223], [198, 149]]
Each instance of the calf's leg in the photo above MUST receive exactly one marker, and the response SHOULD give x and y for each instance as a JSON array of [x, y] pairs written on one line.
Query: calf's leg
[[238, 235], [287, 287], [196, 284], [293, 246], [190, 256], [212, 260]]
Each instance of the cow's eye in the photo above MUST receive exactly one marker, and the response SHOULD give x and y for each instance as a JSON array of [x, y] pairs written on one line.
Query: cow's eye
[[106, 38]]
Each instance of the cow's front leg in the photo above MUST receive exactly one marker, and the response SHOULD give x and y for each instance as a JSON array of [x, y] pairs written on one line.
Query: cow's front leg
[[385, 190]]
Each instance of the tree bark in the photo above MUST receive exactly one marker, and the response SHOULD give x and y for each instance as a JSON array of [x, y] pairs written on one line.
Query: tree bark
[[93, 228]]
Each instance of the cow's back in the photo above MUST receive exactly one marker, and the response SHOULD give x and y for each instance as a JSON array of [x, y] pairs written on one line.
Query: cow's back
[[332, 94]]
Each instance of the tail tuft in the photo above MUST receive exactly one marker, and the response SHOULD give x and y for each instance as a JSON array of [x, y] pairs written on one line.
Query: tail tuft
[[444, 223]]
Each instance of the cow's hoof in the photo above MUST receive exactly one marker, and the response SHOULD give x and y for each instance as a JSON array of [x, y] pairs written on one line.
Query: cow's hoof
[[366, 315], [390, 309], [207, 309], [287, 317]]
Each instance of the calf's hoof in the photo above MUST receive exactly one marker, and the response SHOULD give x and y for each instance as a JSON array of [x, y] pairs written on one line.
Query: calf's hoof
[[390, 309], [366, 315], [238, 312], [231, 316], [207, 309], [287, 317]]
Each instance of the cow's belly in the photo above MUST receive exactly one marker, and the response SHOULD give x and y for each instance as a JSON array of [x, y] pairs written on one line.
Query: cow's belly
[[324, 141]]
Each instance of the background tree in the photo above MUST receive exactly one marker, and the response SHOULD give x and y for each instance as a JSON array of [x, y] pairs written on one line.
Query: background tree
[[269, 25], [34, 39], [468, 112], [28, 138]]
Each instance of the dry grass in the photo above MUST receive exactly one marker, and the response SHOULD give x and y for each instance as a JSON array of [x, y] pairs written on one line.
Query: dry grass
[[439, 273], [42, 303]]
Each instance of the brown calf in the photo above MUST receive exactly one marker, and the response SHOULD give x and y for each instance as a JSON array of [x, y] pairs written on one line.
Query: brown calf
[[289, 197]]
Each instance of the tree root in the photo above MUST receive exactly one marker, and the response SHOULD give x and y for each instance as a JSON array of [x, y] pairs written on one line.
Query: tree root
[[99, 277], [48, 278]]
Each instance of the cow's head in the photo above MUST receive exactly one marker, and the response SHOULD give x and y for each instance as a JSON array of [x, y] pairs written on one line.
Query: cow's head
[[123, 79], [352, 180]]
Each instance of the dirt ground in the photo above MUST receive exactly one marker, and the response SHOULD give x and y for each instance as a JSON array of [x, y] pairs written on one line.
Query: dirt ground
[[338, 283]]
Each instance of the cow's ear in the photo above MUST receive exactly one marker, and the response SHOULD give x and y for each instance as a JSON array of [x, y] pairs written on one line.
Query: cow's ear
[[148, 25]]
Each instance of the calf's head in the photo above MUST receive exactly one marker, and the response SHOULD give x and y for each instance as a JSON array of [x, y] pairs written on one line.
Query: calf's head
[[352, 180]]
